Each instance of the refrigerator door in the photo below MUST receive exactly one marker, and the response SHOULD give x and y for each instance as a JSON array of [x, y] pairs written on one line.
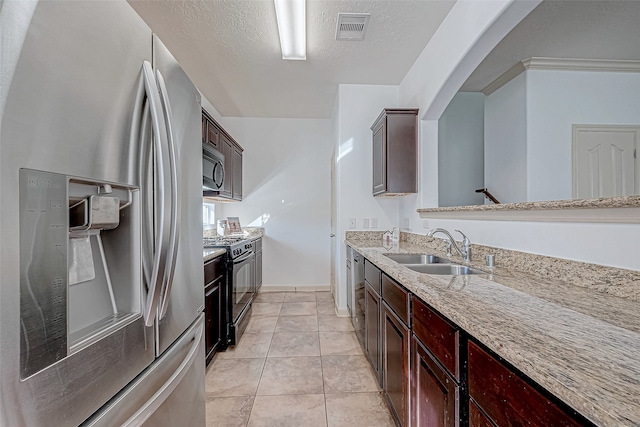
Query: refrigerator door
[[72, 332], [182, 299], [169, 393]]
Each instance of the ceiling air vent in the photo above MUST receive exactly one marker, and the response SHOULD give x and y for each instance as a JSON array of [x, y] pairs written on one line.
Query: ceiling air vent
[[352, 26]]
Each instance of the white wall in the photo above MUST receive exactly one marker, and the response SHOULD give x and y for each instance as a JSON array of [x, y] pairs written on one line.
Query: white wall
[[357, 108], [286, 190], [505, 141], [466, 36], [473, 29], [558, 99], [461, 151], [528, 127]]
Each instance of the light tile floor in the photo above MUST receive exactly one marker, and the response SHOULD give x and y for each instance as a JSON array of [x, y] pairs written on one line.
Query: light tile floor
[[297, 364]]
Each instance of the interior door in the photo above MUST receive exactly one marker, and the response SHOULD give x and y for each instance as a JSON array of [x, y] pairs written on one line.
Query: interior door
[[605, 161]]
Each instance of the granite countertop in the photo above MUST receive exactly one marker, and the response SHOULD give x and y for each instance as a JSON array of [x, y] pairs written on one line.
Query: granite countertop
[[251, 233], [608, 202], [579, 344], [211, 253]]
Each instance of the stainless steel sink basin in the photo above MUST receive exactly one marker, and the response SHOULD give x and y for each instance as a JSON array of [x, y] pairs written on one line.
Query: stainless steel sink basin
[[422, 259], [450, 269]]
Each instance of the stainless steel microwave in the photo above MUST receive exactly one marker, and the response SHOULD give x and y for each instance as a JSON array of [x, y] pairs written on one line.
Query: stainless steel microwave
[[212, 169]]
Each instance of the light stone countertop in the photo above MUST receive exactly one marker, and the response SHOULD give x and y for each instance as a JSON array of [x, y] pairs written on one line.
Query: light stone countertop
[[608, 202], [212, 253], [252, 233], [581, 345]]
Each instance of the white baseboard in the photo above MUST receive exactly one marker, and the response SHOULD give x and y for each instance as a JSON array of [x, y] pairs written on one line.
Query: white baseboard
[[342, 312], [295, 288]]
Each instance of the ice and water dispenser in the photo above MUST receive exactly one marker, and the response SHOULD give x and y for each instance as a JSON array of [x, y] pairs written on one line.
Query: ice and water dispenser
[[80, 276]]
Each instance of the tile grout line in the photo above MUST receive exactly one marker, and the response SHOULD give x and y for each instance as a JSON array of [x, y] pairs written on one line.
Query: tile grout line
[[255, 394], [324, 392]]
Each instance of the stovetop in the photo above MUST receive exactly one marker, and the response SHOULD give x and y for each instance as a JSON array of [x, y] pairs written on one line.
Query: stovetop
[[236, 246]]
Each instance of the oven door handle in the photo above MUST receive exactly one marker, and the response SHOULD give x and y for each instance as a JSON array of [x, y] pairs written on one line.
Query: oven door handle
[[244, 258]]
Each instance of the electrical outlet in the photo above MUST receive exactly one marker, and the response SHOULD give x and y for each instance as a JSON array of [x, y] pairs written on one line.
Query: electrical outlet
[[374, 222], [365, 222], [352, 223], [425, 223]]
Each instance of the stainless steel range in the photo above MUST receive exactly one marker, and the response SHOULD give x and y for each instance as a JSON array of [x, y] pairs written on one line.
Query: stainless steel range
[[241, 284]]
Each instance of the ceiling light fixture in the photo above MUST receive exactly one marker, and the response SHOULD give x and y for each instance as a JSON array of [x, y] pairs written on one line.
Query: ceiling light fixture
[[291, 16]]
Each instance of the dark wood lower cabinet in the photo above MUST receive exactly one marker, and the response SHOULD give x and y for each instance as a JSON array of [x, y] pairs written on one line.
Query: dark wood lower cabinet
[[395, 359], [436, 395], [477, 418], [509, 400], [213, 306], [372, 329], [433, 374], [214, 282]]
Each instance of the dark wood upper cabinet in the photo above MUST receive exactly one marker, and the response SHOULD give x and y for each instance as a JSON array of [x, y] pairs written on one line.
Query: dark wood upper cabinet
[[395, 152], [216, 136], [213, 136], [204, 128], [237, 173]]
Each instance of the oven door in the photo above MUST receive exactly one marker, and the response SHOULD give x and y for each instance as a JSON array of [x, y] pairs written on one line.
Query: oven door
[[242, 284]]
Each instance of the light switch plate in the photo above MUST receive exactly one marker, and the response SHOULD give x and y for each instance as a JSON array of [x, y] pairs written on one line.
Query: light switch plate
[[374, 222], [365, 222], [352, 223], [425, 223]]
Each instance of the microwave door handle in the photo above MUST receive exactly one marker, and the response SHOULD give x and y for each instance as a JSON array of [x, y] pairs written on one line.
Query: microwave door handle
[[152, 405], [218, 165], [174, 235], [162, 182]]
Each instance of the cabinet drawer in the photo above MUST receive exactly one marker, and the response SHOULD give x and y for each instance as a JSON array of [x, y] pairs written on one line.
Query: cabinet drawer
[[396, 297], [439, 336], [372, 275], [508, 399], [213, 269]]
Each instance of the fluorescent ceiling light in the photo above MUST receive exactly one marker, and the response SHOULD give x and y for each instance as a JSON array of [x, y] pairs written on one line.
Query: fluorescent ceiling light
[[291, 16]]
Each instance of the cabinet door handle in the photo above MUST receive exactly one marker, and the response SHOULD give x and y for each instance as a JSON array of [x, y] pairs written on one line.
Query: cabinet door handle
[[332, 235]]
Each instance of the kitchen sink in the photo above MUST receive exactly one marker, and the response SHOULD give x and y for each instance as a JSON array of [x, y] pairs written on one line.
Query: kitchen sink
[[421, 259], [450, 269]]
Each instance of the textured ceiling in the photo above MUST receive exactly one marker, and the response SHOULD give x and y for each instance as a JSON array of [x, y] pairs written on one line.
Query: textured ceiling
[[231, 50], [565, 29]]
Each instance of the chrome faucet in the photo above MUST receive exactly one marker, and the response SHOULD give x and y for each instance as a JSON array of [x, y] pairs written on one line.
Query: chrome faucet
[[465, 252]]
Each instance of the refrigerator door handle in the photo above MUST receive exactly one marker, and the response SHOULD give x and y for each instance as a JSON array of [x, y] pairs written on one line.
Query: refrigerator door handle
[[174, 236], [162, 181], [152, 405]]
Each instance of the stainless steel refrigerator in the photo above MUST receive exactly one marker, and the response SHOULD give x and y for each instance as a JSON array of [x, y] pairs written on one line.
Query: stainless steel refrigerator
[[101, 295]]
